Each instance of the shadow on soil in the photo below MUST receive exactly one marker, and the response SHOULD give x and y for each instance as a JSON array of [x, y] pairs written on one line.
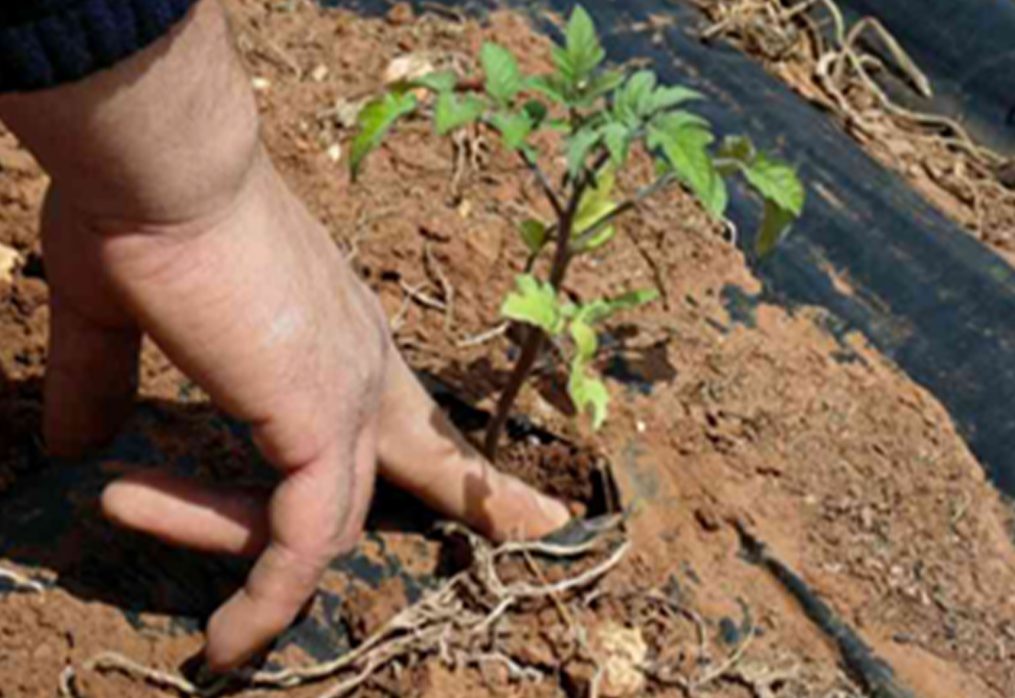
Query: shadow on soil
[[51, 525]]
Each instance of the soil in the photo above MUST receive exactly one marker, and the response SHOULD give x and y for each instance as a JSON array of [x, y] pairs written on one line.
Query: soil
[[727, 412]]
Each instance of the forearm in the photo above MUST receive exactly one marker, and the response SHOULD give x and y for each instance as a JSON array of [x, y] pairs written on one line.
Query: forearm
[[121, 153]]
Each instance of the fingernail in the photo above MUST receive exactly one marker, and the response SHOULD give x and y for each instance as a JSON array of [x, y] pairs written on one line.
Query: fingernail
[[553, 509]]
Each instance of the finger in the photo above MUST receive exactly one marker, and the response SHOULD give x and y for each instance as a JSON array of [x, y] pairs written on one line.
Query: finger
[[421, 452], [183, 512], [91, 380], [316, 514]]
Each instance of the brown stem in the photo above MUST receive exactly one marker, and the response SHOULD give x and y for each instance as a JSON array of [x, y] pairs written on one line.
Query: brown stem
[[535, 338]]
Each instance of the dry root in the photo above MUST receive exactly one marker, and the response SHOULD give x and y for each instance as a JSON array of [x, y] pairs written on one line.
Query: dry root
[[839, 77], [20, 582], [457, 622]]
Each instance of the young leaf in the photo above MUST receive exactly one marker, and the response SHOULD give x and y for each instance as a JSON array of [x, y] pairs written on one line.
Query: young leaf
[[534, 303], [586, 343], [632, 300], [600, 310], [617, 138], [685, 147], [375, 120], [632, 100], [452, 113], [534, 235], [588, 394], [668, 97], [777, 182], [551, 86], [596, 202], [599, 86], [774, 228], [595, 240], [579, 146], [503, 77], [439, 82], [514, 128], [582, 47]]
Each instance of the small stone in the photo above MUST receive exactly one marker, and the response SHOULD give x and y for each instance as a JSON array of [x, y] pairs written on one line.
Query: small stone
[[411, 66], [334, 152], [319, 73], [260, 84], [621, 653], [9, 259]]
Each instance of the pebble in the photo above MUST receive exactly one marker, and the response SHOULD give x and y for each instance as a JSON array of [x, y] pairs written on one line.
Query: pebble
[[9, 259]]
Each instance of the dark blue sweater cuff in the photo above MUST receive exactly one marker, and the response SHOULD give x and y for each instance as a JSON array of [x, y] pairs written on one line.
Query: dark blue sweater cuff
[[47, 42]]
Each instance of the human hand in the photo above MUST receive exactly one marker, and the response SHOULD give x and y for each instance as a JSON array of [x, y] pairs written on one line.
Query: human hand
[[166, 217]]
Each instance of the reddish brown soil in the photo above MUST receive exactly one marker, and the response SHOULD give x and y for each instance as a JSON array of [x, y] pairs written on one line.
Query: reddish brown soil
[[854, 475]]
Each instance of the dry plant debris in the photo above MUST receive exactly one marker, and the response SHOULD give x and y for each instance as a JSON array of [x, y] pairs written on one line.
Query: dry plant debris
[[459, 622], [810, 46]]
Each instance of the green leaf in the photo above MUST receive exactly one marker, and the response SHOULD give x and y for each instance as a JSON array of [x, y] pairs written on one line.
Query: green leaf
[[582, 47], [774, 228], [599, 310], [618, 142], [588, 394], [579, 146], [586, 342], [685, 147], [668, 97], [632, 300], [640, 99], [599, 86], [374, 121], [534, 235], [632, 99], [595, 203], [777, 182], [439, 82], [551, 86], [514, 128], [534, 303], [504, 79], [452, 113], [678, 118]]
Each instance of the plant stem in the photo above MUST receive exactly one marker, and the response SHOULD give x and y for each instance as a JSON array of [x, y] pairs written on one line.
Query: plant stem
[[535, 338], [544, 182]]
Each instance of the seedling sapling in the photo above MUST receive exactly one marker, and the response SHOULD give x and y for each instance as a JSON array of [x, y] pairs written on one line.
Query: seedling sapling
[[601, 114]]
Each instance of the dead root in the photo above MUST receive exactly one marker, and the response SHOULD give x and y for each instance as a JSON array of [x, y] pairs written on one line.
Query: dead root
[[20, 582], [810, 46], [459, 622]]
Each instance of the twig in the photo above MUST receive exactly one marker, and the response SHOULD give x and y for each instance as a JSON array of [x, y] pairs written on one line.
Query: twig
[[727, 665], [426, 300], [437, 273], [483, 337]]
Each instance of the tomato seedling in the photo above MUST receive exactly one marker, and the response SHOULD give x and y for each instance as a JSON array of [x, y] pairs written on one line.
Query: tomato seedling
[[601, 114]]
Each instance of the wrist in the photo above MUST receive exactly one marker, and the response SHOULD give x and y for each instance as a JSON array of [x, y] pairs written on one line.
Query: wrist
[[167, 136]]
